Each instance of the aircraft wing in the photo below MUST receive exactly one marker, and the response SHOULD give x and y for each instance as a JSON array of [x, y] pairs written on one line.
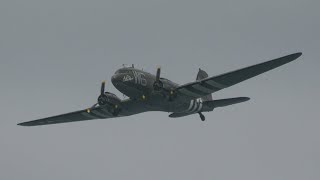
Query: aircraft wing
[[82, 115], [210, 85]]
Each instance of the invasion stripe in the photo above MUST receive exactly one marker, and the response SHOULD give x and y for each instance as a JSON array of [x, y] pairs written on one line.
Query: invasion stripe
[[189, 93], [200, 106], [200, 93], [191, 104], [106, 114], [106, 111], [196, 106], [202, 88], [99, 113], [89, 115], [208, 86], [215, 84]]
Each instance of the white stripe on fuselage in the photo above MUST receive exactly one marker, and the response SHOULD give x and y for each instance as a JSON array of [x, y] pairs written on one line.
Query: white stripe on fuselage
[[191, 104], [195, 106], [200, 105]]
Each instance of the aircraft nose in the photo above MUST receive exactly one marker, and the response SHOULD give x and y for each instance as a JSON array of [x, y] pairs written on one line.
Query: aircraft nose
[[115, 79], [121, 78]]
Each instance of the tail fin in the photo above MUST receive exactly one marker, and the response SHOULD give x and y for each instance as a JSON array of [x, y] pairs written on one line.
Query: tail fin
[[202, 75]]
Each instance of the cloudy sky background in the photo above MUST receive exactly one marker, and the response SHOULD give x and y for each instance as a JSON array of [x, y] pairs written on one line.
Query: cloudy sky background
[[54, 55]]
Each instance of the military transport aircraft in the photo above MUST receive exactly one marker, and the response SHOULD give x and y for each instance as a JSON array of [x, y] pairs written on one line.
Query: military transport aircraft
[[148, 92]]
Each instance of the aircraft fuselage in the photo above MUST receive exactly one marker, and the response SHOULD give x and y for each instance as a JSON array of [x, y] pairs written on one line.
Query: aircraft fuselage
[[138, 85]]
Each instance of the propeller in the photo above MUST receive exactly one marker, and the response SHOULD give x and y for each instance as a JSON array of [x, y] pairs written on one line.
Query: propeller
[[106, 98], [158, 85], [158, 74], [101, 98], [103, 85]]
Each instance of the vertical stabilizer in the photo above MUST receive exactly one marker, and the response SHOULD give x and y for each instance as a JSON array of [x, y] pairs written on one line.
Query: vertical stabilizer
[[202, 75]]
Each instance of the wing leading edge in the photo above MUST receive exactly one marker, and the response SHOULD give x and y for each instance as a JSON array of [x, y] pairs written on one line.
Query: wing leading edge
[[210, 85], [82, 115]]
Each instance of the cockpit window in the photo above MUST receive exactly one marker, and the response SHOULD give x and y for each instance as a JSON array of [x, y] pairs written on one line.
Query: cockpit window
[[121, 71], [110, 94], [164, 79]]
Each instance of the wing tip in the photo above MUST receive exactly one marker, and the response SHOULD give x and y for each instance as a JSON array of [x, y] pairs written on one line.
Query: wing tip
[[23, 124], [296, 55], [243, 99], [29, 123]]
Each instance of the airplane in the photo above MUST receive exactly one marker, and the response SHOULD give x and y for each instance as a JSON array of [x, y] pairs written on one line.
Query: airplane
[[149, 92]]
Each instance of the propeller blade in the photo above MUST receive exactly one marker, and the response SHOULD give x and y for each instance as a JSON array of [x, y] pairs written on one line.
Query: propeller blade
[[103, 84], [93, 106], [158, 74]]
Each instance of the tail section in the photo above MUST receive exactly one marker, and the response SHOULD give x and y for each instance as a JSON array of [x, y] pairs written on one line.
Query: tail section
[[206, 104], [202, 75], [209, 106]]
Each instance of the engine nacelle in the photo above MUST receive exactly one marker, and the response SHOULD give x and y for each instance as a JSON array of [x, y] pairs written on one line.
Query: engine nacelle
[[158, 85], [109, 99]]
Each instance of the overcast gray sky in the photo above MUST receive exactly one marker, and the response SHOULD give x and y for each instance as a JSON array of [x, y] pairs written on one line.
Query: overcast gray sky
[[54, 55]]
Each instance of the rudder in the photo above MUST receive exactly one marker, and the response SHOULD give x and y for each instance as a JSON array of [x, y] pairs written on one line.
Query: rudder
[[202, 75]]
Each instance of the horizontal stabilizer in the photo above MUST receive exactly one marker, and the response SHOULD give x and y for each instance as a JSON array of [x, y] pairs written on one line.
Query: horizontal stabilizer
[[211, 105], [226, 102]]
